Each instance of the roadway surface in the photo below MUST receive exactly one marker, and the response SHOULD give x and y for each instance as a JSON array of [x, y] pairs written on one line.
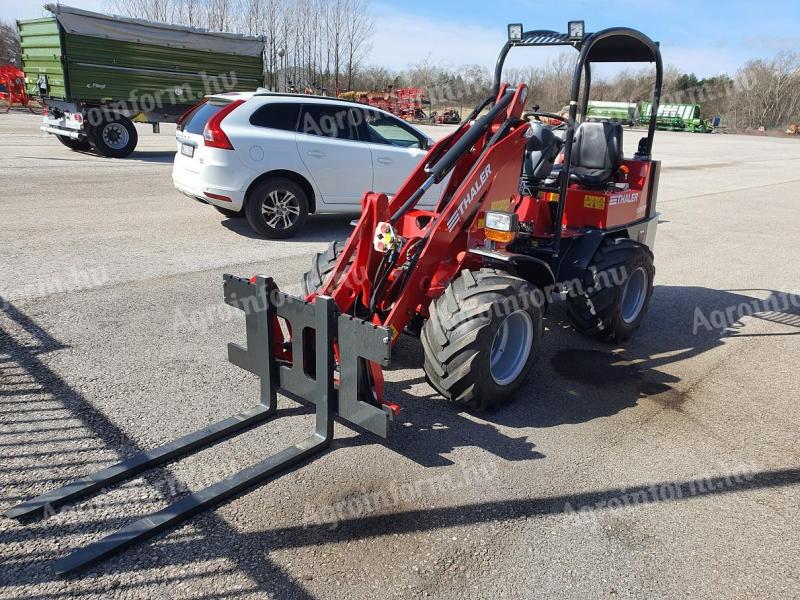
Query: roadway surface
[[114, 335]]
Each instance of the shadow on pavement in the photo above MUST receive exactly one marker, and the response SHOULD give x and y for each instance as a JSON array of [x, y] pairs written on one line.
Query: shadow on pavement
[[590, 380], [153, 156], [578, 379], [318, 228], [32, 566], [596, 379]]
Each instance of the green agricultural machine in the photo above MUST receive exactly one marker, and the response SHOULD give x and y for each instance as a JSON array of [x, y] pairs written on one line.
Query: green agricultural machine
[[99, 74], [625, 113], [670, 117], [676, 117]]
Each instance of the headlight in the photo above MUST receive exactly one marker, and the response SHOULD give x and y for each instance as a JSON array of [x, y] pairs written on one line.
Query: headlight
[[501, 226], [500, 221]]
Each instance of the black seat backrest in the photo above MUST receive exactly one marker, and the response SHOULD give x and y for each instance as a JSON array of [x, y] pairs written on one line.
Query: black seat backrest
[[598, 146], [541, 151]]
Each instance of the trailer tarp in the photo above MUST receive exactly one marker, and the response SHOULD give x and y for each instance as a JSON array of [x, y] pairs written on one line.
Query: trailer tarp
[[84, 22]]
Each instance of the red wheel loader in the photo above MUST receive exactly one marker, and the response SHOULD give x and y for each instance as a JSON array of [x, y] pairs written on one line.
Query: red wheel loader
[[530, 211]]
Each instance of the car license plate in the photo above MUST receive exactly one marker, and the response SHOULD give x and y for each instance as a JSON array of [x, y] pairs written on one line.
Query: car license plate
[[187, 150]]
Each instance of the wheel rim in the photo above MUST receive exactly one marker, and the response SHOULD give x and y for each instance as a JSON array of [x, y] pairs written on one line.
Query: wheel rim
[[115, 136], [634, 295], [280, 209], [511, 347]]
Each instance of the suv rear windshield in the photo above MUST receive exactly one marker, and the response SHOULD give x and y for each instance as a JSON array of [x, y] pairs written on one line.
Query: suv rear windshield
[[196, 122]]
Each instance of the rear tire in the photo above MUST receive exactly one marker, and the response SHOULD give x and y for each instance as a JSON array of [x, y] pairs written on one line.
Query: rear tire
[[321, 266], [482, 338], [231, 214], [276, 208], [619, 292], [82, 145], [115, 138]]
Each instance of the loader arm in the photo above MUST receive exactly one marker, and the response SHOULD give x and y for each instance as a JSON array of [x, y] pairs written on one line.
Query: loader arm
[[493, 142], [389, 289]]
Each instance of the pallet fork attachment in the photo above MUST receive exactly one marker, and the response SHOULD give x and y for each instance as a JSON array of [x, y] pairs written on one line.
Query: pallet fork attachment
[[263, 304]]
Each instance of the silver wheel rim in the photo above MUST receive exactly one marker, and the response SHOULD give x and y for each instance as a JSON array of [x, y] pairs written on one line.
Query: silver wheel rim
[[511, 347], [634, 295], [115, 136], [280, 209]]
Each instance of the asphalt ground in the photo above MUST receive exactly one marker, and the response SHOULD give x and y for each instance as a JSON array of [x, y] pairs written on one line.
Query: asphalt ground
[[667, 467]]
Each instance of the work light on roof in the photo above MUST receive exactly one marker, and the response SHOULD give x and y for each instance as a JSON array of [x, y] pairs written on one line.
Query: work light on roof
[[576, 30], [515, 32]]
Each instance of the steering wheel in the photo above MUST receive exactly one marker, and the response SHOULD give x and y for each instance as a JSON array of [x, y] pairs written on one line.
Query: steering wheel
[[535, 113]]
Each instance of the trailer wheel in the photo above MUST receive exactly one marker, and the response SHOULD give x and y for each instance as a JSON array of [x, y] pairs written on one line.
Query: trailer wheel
[[73, 144], [613, 307], [276, 208], [116, 138], [482, 338], [321, 266]]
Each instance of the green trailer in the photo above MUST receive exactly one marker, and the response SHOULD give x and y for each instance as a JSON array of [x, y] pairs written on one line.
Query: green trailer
[[99, 74], [676, 117], [626, 113]]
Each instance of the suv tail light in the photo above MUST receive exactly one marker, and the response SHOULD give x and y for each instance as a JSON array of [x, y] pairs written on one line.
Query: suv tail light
[[213, 135]]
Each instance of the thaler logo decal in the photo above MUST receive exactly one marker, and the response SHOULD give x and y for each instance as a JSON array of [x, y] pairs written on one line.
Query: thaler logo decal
[[627, 198], [452, 222]]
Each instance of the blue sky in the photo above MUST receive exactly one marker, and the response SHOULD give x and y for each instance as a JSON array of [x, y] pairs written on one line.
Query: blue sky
[[696, 36]]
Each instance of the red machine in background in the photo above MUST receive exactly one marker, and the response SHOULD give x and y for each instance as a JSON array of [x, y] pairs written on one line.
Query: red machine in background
[[406, 103], [449, 116], [12, 88]]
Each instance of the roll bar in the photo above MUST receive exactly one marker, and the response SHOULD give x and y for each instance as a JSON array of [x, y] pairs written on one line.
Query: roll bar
[[617, 44]]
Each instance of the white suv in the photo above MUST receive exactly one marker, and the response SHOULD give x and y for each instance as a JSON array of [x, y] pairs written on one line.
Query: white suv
[[276, 158]]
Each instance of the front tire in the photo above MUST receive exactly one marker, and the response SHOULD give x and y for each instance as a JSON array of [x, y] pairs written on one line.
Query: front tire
[[321, 266], [616, 301], [482, 338], [116, 138], [82, 145], [276, 208]]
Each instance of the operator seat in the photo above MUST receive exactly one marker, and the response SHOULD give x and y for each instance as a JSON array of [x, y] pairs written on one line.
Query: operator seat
[[541, 151], [596, 153]]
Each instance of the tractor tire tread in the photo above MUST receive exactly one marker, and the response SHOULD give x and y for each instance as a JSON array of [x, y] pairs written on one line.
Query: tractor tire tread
[[455, 335], [321, 266], [593, 312]]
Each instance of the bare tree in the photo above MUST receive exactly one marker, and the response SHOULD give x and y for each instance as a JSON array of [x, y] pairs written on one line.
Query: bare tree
[[219, 15], [154, 10], [336, 40], [359, 27], [190, 12], [271, 28], [10, 51], [767, 91]]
